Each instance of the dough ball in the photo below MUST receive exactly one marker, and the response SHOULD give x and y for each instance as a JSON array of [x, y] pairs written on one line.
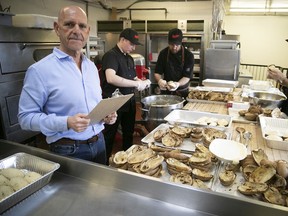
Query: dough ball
[[32, 176], [222, 122], [3, 180], [12, 172], [171, 84], [18, 182], [5, 191], [274, 137], [272, 133]]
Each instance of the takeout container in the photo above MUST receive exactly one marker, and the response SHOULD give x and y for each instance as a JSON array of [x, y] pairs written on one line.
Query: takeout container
[[266, 99], [269, 125], [27, 162], [191, 117], [220, 83]]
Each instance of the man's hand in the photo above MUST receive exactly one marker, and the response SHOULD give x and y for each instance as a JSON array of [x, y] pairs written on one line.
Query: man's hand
[[162, 84], [275, 74], [78, 122], [172, 86], [110, 119], [143, 84]]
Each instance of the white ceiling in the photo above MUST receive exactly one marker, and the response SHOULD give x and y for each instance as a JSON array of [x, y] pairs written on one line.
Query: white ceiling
[[273, 7]]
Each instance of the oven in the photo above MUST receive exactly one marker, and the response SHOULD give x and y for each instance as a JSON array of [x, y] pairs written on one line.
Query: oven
[[20, 47]]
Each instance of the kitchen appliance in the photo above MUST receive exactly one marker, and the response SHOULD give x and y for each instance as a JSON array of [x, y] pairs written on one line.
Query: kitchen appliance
[[20, 48], [156, 107], [266, 99], [141, 71], [222, 60]]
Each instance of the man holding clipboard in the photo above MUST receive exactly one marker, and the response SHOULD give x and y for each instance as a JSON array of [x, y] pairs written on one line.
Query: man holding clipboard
[[61, 89]]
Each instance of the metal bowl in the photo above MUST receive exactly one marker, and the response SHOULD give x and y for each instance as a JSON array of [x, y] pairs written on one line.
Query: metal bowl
[[266, 99]]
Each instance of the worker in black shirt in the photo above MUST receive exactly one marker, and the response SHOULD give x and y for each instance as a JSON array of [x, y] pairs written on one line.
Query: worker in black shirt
[[119, 72], [174, 66]]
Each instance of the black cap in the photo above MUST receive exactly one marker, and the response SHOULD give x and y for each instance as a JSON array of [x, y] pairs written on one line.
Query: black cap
[[131, 35], [175, 36]]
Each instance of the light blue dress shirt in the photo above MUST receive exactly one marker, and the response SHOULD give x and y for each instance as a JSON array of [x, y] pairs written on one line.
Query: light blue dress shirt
[[54, 88]]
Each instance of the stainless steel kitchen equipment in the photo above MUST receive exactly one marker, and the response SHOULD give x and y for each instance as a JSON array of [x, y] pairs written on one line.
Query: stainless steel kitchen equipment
[[222, 60], [103, 190], [20, 47], [156, 107], [266, 99]]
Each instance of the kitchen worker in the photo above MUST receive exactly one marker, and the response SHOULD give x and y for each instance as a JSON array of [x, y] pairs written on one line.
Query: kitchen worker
[[119, 72], [174, 66], [61, 89], [277, 75]]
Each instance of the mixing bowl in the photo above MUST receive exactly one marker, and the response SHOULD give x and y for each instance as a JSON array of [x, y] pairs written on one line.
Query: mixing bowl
[[266, 99]]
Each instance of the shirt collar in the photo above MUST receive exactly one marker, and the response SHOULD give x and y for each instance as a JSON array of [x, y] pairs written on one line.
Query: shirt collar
[[60, 54]]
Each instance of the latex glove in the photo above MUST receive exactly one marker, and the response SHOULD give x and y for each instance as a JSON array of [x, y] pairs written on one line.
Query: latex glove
[[162, 84], [143, 84], [172, 86], [148, 83]]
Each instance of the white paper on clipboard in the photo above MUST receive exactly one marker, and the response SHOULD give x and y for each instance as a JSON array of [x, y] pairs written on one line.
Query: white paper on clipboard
[[107, 106]]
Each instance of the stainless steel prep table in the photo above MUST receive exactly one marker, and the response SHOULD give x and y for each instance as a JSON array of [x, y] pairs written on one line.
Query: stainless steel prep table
[[84, 188]]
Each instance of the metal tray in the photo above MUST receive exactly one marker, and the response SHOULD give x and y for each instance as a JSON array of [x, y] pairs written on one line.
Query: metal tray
[[205, 101], [27, 162], [186, 147], [190, 117], [214, 89], [234, 113]]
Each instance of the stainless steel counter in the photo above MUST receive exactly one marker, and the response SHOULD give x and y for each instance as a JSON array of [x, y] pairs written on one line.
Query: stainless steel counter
[[84, 188]]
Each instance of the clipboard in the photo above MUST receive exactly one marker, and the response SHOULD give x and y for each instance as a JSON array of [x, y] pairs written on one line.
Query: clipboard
[[107, 106]]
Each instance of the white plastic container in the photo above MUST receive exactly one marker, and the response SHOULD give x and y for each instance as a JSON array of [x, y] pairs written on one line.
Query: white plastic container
[[279, 128]]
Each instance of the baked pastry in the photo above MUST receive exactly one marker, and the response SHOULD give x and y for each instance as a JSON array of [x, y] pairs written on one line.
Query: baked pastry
[[227, 177]]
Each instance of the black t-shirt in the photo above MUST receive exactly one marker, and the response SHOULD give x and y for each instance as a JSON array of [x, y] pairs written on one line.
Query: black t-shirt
[[124, 67], [175, 66]]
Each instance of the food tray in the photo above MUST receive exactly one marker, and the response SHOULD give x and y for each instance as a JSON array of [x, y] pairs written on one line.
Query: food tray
[[234, 113], [189, 117], [186, 147], [27, 162], [220, 83], [232, 189], [214, 89], [274, 124], [205, 101]]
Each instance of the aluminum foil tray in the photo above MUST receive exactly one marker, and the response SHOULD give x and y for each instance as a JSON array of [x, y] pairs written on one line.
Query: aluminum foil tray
[[191, 117], [27, 162], [279, 126]]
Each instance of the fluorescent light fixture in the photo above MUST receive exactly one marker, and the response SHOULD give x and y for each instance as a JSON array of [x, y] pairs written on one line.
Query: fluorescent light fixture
[[259, 6], [258, 10]]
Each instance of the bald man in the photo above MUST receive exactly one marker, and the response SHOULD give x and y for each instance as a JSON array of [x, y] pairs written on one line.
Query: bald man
[[61, 89]]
